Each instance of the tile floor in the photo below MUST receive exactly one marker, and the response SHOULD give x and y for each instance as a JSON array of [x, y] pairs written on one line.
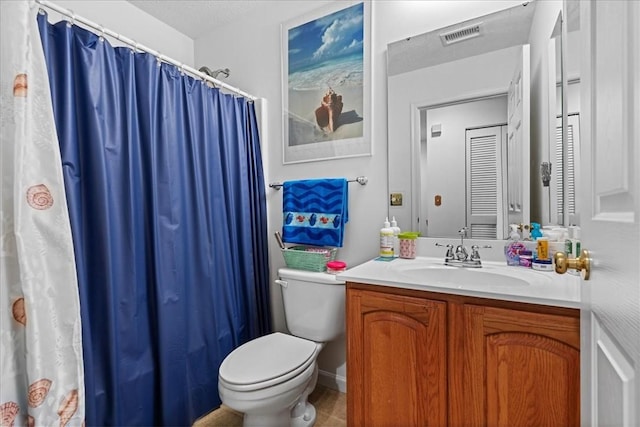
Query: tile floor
[[331, 407]]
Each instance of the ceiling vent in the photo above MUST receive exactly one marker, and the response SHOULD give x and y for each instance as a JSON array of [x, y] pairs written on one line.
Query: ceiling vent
[[460, 34]]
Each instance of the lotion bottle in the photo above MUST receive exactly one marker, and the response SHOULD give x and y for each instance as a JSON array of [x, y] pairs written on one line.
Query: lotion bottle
[[386, 240], [396, 240]]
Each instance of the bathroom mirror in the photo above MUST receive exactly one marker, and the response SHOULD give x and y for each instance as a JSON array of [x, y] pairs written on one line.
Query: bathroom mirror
[[554, 184], [567, 146], [454, 157]]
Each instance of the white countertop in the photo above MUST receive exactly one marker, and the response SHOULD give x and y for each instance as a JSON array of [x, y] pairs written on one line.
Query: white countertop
[[495, 280]]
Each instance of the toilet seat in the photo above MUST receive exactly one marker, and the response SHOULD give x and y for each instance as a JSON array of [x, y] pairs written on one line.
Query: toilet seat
[[267, 361]]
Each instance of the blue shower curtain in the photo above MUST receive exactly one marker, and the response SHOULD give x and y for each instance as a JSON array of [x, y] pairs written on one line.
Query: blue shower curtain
[[166, 196]]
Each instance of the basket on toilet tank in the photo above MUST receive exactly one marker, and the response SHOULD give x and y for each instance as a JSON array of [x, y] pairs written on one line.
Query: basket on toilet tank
[[310, 258]]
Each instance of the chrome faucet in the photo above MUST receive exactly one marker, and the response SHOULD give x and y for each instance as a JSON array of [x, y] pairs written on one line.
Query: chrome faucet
[[461, 251], [460, 257]]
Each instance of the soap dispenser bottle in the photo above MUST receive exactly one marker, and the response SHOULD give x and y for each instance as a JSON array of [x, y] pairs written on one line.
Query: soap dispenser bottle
[[513, 246], [386, 240], [396, 240]]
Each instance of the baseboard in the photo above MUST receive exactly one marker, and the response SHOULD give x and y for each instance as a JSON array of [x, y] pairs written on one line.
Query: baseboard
[[333, 381]]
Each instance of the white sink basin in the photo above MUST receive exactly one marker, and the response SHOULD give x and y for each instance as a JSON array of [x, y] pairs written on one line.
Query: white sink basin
[[460, 276], [494, 279]]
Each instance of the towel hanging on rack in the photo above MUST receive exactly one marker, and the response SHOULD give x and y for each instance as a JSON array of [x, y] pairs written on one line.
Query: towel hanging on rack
[[315, 211]]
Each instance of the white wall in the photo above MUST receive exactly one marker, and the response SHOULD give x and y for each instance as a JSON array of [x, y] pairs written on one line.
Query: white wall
[[126, 19]]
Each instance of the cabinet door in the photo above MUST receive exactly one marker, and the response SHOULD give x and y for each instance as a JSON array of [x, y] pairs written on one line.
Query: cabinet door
[[396, 360], [521, 368]]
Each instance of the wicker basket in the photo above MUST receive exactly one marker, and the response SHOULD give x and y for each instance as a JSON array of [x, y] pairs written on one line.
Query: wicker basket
[[308, 257]]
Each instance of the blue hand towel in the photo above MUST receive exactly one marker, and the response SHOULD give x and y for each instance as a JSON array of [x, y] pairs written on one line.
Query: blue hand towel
[[315, 211]]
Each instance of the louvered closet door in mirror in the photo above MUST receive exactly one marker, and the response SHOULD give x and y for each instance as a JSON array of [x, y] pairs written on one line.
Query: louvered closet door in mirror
[[573, 171], [486, 183]]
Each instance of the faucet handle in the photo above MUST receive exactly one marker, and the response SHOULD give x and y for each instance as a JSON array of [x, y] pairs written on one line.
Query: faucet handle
[[449, 250], [475, 255], [450, 246]]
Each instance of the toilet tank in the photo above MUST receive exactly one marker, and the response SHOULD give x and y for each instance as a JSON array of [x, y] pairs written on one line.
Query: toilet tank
[[314, 304]]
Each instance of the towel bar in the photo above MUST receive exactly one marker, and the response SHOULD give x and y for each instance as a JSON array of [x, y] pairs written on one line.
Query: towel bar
[[362, 180]]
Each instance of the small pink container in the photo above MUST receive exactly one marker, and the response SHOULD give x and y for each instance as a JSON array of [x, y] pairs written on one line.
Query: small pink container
[[408, 245], [335, 267]]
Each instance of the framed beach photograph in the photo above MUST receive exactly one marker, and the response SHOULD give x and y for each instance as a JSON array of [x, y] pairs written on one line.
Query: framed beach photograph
[[326, 82]]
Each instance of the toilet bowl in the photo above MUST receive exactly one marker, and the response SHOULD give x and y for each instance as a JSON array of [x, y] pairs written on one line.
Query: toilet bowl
[[270, 378]]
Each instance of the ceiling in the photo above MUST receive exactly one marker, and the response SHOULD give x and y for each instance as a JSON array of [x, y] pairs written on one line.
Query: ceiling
[[195, 18]]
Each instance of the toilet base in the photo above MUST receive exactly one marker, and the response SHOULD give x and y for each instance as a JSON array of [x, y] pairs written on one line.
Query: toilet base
[[308, 419], [283, 405], [277, 419], [282, 418], [303, 414]]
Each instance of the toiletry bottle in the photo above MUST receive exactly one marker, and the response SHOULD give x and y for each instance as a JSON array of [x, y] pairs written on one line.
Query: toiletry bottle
[[513, 246], [543, 248], [396, 240], [386, 240], [573, 248], [574, 238], [568, 243]]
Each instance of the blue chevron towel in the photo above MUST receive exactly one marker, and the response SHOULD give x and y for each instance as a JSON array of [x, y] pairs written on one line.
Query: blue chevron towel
[[315, 211]]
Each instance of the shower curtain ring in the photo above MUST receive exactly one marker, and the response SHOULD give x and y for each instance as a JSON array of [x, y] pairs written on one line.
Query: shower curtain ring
[[101, 35], [182, 68], [73, 19]]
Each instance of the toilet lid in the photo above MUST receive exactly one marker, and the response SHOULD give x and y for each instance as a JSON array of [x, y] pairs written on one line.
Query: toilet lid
[[273, 356]]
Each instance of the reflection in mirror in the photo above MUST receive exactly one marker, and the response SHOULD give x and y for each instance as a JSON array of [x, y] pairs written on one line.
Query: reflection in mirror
[[459, 165], [567, 208], [555, 188], [463, 192]]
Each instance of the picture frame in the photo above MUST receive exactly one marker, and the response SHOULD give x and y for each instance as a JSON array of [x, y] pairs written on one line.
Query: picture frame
[[326, 83]]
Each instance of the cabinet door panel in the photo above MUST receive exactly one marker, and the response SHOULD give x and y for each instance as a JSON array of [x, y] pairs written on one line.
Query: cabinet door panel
[[522, 368], [400, 344], [531, 380]]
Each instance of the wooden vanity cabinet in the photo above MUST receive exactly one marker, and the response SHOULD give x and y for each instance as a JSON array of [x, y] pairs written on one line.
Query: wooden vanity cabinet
[[418, 358], [396, 372]]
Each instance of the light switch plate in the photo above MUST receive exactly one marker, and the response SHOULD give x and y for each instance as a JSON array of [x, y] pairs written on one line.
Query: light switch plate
[[395, 199]]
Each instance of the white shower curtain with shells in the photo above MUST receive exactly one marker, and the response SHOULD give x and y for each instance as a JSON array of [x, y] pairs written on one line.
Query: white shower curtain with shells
[[42, 379]]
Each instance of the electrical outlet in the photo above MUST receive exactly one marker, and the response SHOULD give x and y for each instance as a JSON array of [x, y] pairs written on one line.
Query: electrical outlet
[[395, 199]]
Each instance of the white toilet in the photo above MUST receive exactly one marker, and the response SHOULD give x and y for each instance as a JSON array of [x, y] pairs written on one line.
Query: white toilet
[[270, 378]]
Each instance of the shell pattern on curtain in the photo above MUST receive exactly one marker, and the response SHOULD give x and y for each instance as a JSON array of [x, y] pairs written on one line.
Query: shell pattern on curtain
[[42, 380]]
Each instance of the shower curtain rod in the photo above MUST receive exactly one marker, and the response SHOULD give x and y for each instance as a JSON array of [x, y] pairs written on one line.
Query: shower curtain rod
[[137, 46]]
